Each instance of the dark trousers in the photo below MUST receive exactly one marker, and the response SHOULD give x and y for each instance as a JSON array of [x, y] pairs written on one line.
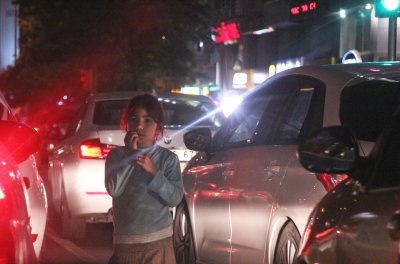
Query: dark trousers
[[157, 252]]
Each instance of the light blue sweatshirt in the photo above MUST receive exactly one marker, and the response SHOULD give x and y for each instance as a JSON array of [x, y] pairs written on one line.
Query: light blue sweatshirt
[[141, 201]]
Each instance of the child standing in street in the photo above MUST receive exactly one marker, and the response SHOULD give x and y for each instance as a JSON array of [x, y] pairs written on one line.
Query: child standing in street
[[144, 180]]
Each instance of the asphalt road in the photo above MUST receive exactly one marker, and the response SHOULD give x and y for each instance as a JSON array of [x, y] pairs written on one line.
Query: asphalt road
[[96, 248]]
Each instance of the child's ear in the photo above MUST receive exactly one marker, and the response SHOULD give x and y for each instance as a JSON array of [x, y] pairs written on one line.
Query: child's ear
[[158, 135]]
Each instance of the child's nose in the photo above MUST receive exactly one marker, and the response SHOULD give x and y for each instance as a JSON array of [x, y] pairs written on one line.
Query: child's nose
[[140, 125]]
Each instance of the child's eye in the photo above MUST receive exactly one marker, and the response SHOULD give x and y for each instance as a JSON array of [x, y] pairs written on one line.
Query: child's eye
[[149, 120]]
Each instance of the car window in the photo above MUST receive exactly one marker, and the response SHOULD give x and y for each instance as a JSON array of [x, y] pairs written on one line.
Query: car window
[[247, 118], [387, 171], [367, 106], [280, 112], [303, 111], [291, 126], [77, 122], [180, 113], [255, 117], [109, 113]]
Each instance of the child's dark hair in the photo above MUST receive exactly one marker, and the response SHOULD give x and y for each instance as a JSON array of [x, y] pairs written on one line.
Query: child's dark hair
[[152, 106]]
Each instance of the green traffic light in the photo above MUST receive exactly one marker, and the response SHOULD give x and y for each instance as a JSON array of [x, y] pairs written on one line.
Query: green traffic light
[[391, 5], [387, 8]]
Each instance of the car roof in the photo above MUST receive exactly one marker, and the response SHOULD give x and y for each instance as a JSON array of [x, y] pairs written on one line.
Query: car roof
[[114, 95], [201, 98], [345, 71]]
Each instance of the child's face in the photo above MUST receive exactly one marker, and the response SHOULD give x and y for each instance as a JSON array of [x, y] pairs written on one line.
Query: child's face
[[140, 122]]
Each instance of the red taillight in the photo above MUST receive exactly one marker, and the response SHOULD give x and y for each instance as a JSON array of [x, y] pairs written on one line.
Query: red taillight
[[93, 149], [34, 237], [330, 181]]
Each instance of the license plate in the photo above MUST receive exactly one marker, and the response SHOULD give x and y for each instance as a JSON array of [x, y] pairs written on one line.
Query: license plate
[[184, 154]]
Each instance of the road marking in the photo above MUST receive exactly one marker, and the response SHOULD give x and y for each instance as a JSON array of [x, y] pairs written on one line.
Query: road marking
[[71, 247]]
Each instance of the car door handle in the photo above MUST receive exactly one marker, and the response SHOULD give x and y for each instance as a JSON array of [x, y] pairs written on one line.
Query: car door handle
[[393, 226], [271, 171]]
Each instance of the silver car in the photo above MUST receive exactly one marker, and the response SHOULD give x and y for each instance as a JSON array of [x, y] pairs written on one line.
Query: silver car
[[76, 167], [247, 197], [359, 220]]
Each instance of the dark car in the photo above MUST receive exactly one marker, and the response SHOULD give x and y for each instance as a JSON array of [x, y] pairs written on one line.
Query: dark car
[[359, 220], [17, 142]]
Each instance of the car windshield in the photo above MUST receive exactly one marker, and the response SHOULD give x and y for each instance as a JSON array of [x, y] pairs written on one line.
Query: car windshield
[[178, 113]]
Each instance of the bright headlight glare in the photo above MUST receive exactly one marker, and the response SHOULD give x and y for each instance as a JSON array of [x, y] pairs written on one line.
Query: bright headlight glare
[[229, 103]]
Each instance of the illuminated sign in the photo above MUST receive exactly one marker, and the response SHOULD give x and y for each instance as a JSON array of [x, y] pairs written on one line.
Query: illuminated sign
[[352, 56], [285, 65], [303, 8], [225, 33]]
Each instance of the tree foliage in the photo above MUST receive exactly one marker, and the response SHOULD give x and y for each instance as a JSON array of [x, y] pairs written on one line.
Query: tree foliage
[[126, 44]]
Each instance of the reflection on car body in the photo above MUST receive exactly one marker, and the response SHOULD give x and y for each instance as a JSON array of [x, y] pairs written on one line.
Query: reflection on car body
[[247, 197]]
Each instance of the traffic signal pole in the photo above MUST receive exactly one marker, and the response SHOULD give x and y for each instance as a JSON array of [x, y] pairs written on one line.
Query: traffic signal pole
[[391, 10], [392, 38]]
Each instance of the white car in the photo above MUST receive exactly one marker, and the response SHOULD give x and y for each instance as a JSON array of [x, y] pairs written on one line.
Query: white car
[[247, 198], [76, 168], [37, 197]]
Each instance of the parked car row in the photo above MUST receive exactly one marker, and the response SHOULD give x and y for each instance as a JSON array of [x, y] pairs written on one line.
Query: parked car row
[[247, 196]]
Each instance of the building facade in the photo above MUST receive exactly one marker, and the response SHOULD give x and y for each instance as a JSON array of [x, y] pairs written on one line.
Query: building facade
[[279, 34], [9, 34]]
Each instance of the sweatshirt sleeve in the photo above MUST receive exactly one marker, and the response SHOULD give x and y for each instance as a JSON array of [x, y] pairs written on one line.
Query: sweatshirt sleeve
[[168, 185], [118, 169]]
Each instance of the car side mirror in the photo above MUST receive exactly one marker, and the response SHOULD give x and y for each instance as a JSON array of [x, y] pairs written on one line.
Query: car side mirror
[[331, 150], [198, 139], [20, 140]]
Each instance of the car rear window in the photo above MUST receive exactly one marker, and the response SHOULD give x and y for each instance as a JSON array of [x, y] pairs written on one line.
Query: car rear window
[[109, 113], [178, 113], [367, 106]]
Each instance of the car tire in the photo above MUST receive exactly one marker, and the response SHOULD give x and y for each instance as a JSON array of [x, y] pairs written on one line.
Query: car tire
[[288, 244], [71, 227], [183, 236]]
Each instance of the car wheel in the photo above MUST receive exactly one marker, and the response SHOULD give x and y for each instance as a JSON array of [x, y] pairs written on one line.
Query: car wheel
[[183, 236], [288, 244], [71, 228]]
